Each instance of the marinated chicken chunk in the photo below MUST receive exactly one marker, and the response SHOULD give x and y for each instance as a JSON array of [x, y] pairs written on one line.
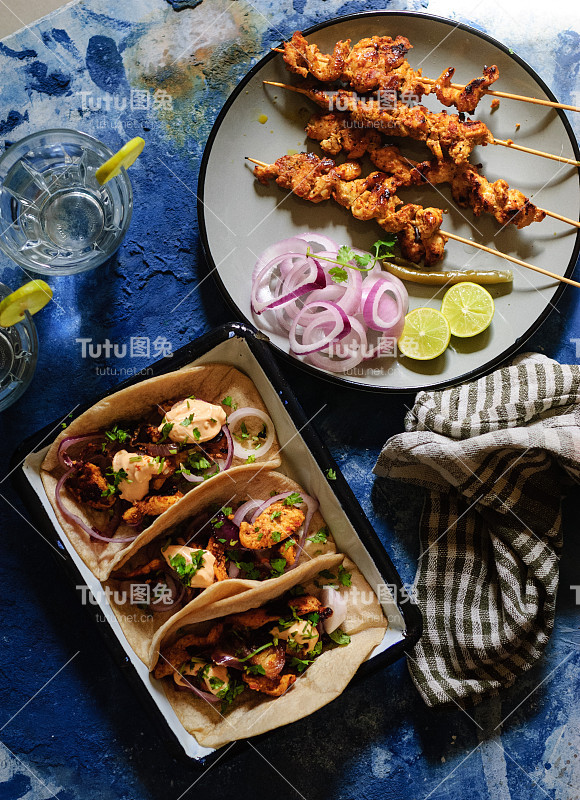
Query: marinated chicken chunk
[[218, 551], [271, 686], [151, 506], [466, 98], [175, 655], [274, 525], [87, 485]]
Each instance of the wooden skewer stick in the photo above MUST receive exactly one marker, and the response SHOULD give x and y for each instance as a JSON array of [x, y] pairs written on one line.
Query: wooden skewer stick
[[510, 258], [567, 220], [493, 92], [510, 144], [502, 142], [479, 247]]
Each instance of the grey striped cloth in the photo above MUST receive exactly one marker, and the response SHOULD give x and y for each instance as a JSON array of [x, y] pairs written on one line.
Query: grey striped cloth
[[497, 456]]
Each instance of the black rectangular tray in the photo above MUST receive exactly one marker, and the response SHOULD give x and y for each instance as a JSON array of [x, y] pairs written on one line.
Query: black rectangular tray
[[261, 351]]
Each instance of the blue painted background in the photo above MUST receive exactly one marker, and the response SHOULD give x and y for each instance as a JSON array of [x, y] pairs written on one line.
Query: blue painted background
[[84, 735]]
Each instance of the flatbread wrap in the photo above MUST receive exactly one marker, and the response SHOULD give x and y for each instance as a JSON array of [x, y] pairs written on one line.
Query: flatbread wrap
[[270, 656], [234, 533], [120, 467]]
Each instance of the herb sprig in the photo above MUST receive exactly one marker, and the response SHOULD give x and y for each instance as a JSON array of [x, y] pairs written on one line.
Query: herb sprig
[[346, 258]]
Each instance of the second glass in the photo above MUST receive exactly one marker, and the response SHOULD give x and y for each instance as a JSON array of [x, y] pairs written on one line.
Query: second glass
[[55, 217]]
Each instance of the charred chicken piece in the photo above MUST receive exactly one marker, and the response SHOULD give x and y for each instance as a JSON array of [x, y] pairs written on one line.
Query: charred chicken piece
[[87, 485], [273, 525], [465, 99], [173, 657], [271, 686], [151, 506], [218, 551]]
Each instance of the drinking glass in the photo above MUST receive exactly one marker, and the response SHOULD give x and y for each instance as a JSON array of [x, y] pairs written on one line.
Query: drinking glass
[[55, 217], [18, 354]]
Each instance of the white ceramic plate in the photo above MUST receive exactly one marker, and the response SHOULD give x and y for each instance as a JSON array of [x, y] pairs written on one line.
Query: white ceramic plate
[[239, 218]]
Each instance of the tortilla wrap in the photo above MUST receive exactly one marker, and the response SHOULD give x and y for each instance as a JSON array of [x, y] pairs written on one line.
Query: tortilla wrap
[[252, 713], [210, 382], [250, 481]]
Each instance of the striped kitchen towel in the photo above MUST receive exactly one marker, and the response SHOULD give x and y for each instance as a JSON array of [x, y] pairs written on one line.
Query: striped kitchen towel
[[497, 456]]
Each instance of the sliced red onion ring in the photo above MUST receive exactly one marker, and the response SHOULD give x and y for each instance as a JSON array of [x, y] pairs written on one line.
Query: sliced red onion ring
[[244, 413], [334, 600], [92, 532], [340, 329], [313, 277], [355, 348], [292, 310], [69, 441], [230, 455], [279, 250], [318, 238], [244, 510], [376, 307]]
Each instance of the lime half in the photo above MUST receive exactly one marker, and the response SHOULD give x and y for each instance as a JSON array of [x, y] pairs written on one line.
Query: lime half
[[122, 158], [426, 334], [31, 297], [468, 308]]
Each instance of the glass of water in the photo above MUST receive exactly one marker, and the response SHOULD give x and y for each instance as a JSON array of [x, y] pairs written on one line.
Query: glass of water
[[55, 217], [18, 354]]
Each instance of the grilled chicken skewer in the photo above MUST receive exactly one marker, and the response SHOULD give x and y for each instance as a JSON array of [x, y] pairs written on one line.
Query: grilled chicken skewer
[[469, 188], [418, 229], [440, 131], [379, 62], [374, 197]]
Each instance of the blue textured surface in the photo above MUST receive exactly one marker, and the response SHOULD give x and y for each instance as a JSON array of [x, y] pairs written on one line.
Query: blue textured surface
[[84, 735]]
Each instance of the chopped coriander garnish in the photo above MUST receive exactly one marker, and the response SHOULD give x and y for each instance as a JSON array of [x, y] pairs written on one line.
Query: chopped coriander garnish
[[250, 459], [293, 499], [186, 569], [278, 565], [344, 576], [197, 434], [320, 536], [188, 420], [117, 434], [166, 430], [331, 474], [135, 458], [275, 514], [339, 637], [113, 479], [276, 536]]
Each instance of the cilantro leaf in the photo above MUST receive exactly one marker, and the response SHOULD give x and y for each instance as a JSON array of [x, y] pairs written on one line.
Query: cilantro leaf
[[278, 565], [331, 474], [339, 637], [338, 274], [186, 569], [344, 576], [293, 499], [345, 254], [320, 536]]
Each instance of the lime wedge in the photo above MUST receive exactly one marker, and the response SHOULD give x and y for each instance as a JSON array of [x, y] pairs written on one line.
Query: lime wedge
[[468, 308], [122, 158], [426, 334], [31, 297]]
